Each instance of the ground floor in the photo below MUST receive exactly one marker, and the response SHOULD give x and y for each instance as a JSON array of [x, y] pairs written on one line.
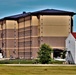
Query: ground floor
[[30, 53]]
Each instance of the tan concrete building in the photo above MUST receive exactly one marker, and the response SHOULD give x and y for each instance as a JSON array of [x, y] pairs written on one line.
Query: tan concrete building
[[23, 34]]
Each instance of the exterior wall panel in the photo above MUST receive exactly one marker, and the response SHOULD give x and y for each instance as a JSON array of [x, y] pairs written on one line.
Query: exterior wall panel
[[0, 27], [34, 21], [54, 42], [0, 43], [27, 23], [9, 44], [34, 52], [21, 24], [34, 31], [11, 53], [11, 24], [55, 25], [55, 31], [10, 33], [35, 42]]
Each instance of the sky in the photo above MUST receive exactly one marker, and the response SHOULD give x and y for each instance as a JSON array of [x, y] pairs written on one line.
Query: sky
[[12, 7]]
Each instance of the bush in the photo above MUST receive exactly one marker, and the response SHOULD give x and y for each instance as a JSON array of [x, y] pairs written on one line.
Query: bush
[[44, 54], [16, 61], [36, 61]]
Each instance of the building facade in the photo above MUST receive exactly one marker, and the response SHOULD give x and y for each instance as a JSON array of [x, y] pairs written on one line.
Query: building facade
[[23, 34], [71, 48]]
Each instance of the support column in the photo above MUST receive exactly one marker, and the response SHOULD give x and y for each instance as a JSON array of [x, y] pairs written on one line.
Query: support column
[[52, 55]]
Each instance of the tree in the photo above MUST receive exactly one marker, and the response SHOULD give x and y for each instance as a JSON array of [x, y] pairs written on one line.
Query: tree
[[44, 54]]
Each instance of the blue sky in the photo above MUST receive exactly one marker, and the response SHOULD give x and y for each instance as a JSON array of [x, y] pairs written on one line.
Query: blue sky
[[11, 7]]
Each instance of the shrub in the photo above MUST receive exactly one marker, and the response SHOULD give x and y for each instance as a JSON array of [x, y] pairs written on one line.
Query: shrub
[[16, 61], [44, 54]]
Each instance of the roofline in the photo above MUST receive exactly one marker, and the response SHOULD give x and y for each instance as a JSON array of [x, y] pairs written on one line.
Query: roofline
[[33, 14], [41, 12], [53, 14], [62, 12], [9, 18]]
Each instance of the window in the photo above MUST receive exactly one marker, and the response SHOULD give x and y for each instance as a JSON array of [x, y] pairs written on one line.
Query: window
[[69, 41]]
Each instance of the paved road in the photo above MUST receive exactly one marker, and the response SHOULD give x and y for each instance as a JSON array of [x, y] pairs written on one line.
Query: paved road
[[39, 65]]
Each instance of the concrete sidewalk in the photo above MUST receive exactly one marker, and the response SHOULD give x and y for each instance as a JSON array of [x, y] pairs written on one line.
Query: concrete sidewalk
[[39, 65]]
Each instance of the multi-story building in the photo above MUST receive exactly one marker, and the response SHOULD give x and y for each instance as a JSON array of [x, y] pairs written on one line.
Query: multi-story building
[[23, 34]]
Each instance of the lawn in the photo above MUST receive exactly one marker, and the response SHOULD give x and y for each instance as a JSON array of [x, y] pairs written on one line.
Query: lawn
[[37, 70]]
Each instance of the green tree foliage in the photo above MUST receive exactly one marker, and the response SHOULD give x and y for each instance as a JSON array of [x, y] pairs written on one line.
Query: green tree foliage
[[44, 54]]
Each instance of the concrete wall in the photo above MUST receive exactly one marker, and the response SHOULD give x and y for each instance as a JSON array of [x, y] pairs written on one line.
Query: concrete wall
[[24, 37], [34, 21], [54, 42], [10, 38], [55, 25], [11, 24], [54, 29]]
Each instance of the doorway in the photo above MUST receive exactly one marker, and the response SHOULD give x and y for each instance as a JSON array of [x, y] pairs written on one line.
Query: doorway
[[57, 53]]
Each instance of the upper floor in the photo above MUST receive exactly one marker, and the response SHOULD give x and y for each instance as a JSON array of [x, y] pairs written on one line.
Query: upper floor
[[48, 22]]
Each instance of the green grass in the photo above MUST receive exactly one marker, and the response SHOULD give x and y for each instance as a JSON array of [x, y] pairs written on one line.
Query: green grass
[[31, 70]]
